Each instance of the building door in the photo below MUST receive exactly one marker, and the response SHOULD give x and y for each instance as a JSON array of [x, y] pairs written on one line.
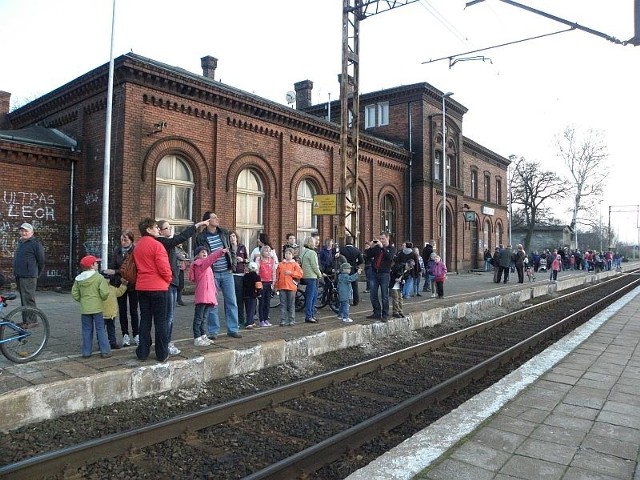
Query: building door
[[473, 231]]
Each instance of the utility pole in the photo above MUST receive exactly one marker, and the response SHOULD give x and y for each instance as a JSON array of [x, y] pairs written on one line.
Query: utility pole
[[353, 11]]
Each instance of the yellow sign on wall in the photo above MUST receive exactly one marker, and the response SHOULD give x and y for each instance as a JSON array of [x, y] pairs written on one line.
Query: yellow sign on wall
[[325, 204]]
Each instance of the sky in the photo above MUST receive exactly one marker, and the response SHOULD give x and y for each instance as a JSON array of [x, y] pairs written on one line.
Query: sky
[[519, 99]]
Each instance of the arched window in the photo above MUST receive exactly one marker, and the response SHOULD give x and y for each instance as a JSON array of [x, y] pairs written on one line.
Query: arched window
[[498, 234], [249, 207], [306, 221], [388, 215], [437, 166], [474, 184], [486, 231], [174, 192]]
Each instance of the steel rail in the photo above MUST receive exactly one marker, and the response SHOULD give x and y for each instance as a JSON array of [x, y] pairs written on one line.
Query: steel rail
[[66, 459]]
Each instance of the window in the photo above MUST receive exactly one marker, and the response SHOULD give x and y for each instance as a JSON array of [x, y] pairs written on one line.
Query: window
[[307, 223], [487, 188], [474, 184], [437, 166], [376, 115], [369, 116], [174, 191], [448, 170], [499, 192], [387, 215], [249, 207], [383, 113]]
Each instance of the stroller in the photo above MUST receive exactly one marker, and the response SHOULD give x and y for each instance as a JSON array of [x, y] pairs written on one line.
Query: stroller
[[543, 265]]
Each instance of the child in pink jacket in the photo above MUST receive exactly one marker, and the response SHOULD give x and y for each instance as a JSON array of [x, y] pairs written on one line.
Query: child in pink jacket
[[556, 265], [201, 273]]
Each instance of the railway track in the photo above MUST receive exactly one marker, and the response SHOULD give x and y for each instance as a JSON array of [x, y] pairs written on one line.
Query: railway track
[[327, 425]]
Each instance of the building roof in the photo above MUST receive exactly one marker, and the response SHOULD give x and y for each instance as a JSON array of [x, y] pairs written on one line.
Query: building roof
[[42, 136]]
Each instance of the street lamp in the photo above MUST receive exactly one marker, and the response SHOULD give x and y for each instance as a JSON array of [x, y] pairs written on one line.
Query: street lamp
[[444, 178], [509, 196]]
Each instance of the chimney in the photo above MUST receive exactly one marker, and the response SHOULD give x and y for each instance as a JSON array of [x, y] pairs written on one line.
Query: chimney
[[5, 102], [303, 94], [209, 65]]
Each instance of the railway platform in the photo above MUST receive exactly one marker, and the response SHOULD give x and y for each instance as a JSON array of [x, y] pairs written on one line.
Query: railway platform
[[572, 412], [60, 381]]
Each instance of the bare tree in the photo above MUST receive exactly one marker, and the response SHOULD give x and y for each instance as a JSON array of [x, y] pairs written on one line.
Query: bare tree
[[533, 189], [585, 158]]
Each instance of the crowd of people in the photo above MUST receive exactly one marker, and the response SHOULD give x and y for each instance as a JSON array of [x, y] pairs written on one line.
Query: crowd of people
[[505, 260], [247, 280]]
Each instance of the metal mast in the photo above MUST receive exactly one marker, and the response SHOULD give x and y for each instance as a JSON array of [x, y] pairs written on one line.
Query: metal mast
[[353, 11]]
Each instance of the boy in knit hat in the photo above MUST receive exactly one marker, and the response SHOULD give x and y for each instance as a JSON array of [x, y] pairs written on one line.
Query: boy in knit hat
[[90, 289], [345, 277]]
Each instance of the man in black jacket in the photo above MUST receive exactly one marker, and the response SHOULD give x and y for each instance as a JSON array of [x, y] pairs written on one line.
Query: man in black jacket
[[381, 255], [426, 256], [214, 237], [28, 265]]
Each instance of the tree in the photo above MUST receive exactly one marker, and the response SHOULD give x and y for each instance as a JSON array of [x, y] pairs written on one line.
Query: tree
[[585, 158], [532, 189]]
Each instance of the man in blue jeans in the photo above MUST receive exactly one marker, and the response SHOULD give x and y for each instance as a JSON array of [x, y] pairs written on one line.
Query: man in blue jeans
[[381, 256], [214, 238]]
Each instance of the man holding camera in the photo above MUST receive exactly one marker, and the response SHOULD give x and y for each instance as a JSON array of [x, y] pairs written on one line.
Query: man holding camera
[[381, 256]]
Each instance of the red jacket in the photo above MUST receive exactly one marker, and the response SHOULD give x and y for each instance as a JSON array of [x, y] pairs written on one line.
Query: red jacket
[[152, 262]]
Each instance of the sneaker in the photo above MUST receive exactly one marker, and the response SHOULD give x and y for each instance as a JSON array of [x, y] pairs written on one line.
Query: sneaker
[[433, 295], [173, 350], [136, 340], [201, 342], [263, 324], [250, 326], [125, 340], [105, 355], [347, 320], [268, 323]]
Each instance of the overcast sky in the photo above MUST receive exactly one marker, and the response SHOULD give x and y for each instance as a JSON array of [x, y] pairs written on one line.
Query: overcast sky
[[519, 98]]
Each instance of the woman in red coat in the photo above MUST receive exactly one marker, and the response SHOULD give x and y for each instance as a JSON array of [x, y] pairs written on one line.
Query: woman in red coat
[[152, 285]]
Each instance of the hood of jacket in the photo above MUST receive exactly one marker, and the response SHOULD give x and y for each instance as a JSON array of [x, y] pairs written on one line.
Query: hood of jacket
[[88, 277]]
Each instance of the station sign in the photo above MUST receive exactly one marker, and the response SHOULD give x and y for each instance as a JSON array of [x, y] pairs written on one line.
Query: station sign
[[325, 204]]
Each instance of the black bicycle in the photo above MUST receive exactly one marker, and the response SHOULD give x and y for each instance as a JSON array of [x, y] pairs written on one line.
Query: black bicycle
[[328, 293], [24, 331]]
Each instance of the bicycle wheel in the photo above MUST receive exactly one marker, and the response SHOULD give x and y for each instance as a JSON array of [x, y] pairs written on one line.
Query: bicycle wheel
[[275, 300], [300, 300], [334, 301], [24, 344], [322, 298]]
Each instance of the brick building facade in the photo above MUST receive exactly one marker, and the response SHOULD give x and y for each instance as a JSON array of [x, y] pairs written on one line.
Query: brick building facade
[[184, 143]]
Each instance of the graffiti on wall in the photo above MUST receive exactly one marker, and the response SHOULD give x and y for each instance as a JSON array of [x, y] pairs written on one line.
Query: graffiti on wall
[[27, 206], [39, 209]]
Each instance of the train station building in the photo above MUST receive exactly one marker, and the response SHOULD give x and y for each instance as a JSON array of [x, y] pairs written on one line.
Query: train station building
[[184, 143]]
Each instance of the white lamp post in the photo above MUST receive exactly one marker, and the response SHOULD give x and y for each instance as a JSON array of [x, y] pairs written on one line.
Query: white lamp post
[[445, 169], [510, 199]]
